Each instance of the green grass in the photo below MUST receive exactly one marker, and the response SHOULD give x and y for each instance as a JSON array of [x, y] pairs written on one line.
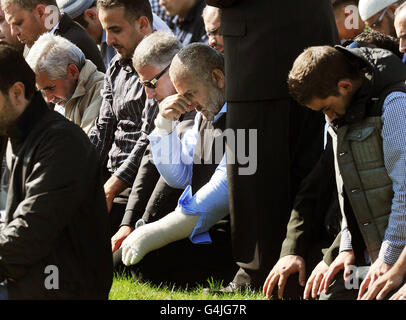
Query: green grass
[[125, 288]]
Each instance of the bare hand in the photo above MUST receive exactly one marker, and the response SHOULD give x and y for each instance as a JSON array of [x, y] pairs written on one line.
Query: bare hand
[[174, 106], [280, 273], [344, 261], [313, 284], [120, 236], [400, 295], [377, 269], [113, 187]]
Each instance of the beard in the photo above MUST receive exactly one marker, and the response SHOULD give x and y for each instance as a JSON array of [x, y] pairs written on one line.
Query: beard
[[8, 117], [214, 103]]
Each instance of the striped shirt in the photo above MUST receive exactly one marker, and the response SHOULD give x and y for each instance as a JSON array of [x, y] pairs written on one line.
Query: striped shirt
[[394, 150], [126, 118]]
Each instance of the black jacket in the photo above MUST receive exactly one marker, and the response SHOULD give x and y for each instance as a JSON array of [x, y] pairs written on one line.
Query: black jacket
[[56, 212], [74, 32]]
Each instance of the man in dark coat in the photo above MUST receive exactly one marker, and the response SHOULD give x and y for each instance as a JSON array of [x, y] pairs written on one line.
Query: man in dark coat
[[261, 40], [30, 19], [54, 236]]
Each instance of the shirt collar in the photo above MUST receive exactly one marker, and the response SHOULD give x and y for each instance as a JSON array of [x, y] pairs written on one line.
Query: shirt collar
[[55, 28], [223, 110], [103, 39]]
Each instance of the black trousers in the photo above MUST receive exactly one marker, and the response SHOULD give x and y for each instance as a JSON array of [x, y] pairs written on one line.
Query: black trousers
[[289, 143]]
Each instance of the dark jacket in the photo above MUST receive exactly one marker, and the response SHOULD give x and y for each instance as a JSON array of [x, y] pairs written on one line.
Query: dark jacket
[[265, 37], [3, 144], [56, 212], [315, 218], [74, 32]]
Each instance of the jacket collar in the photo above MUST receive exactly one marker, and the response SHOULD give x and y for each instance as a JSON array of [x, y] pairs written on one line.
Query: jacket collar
[[88, 75], [64, 24], [380, 69]]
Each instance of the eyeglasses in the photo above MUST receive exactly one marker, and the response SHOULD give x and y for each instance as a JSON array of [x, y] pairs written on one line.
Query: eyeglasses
[[379, 20], [152, 83]]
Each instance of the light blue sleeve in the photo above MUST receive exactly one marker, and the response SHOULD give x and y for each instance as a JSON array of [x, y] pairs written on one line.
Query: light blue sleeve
[[173, 157], [210, 202], [394, 149]]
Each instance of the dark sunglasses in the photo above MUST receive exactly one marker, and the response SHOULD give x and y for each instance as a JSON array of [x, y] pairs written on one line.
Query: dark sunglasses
[[152, 83], [379, 20]]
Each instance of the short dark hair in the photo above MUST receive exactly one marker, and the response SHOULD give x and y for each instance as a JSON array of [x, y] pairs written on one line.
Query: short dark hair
[[134, 9], [14, 69], [317, 71], [376, 39], [81, 18]]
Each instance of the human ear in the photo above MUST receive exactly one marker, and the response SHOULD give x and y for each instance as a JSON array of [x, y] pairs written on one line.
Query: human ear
[[73, 72], [143, 23], [218, 78], [17, 94], [344, 86], [91, 14]]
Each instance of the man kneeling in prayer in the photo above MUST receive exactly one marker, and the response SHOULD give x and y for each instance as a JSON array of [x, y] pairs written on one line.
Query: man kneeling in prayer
[[196, 164]]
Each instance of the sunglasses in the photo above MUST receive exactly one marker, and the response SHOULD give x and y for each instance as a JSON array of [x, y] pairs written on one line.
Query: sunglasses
[[379, 20], [152, 83]]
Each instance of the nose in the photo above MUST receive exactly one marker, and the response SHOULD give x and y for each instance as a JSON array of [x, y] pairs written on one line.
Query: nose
[[15, 31], [48, 96], [150, 92], [212, 41], [110, 40], [402, 45]]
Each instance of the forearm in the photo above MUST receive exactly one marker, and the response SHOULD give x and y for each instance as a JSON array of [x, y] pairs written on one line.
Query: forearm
[[141, 191], [400, 265], [210, 202], [174, 226], [173, 162], [394, 150], [345, 242]]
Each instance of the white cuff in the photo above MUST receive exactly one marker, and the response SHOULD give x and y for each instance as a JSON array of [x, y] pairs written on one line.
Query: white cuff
[[164, 126]]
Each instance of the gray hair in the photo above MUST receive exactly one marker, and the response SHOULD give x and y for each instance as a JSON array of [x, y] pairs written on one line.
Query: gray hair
[[198, 60], [52, 54], [206, 11], [27, 4], [157, 49]]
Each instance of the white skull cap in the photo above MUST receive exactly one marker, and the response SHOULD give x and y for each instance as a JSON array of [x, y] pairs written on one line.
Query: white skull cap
[[368, 8]]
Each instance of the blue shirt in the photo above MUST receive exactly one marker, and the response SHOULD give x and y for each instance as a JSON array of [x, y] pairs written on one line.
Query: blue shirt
[[174, 160]]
